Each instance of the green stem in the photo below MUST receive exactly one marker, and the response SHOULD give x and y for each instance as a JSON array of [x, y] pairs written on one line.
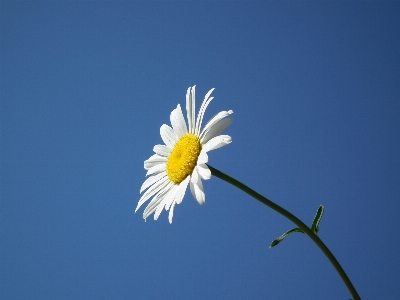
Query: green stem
[[295, 220]]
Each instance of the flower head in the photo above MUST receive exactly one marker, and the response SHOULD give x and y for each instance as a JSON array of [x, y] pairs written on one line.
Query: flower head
[[182, 160]]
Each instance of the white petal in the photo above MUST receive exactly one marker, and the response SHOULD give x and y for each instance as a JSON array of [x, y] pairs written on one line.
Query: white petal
[[162, 150], [204, 171], [215, 130], [182, 186], [180, 193], [178, 122], [217, 142], [155, 188], [168, 136], [152, 207], [157, 199], [151, 180], [168, 198], [195, 175], [156, 169], [190, 108], [171, 213], [154, 160], [198, 191], [202, 110], [219, 116], [153, 204], [203, 158]]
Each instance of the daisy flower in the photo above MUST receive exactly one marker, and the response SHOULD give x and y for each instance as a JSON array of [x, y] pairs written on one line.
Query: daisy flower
[[182, 160]]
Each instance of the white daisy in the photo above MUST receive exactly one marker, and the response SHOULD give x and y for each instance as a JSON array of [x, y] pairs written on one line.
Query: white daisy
[[182, 160]]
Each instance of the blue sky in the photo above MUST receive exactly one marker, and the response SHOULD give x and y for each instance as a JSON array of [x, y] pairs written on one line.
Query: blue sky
[[85, 87]]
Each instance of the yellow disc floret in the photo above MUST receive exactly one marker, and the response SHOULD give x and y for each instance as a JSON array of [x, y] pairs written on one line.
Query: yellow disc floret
[[183, 158]]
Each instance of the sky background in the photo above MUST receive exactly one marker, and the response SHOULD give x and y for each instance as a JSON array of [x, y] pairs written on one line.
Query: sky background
[[85, 87]]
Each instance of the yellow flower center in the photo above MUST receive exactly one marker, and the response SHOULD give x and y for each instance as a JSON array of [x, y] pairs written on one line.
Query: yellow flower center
[[183, 158]]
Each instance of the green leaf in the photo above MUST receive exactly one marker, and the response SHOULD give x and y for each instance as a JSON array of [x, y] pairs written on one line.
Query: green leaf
[[279, 239], [317, 219]]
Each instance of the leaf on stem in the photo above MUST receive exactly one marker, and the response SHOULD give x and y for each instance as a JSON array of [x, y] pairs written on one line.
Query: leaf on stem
[[279, 239], [317, 219]]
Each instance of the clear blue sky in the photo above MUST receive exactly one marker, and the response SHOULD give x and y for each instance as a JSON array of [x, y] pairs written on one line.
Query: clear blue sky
[[85, 87]]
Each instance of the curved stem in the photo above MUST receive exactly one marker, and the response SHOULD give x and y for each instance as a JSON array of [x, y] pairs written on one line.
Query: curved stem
[[295, 220]]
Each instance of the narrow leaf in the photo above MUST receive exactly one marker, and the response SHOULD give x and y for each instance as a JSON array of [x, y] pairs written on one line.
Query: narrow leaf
[[279, 239], [317, 219]]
